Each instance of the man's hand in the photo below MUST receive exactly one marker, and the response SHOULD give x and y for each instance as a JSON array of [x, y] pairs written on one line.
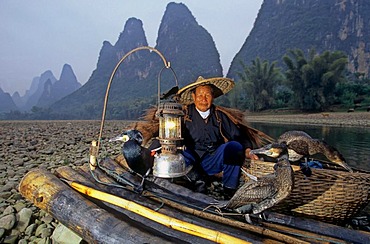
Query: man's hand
[[250, 155]]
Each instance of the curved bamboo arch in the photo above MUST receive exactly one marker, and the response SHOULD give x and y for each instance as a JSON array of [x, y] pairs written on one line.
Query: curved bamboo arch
[[166, 64]]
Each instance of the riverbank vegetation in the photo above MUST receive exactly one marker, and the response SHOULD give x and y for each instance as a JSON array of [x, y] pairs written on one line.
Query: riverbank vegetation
[[307, 83]]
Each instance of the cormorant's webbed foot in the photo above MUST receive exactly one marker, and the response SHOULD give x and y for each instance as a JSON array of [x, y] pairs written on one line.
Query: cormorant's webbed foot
[[139, 189], [245, 209], [257, 218], [254, 218]]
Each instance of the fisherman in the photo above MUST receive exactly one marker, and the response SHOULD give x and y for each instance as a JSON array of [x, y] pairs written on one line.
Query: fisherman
[[213, 141]]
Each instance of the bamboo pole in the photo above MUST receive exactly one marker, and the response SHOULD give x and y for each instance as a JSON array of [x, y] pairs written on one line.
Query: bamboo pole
[[170, 222], [317, 238]]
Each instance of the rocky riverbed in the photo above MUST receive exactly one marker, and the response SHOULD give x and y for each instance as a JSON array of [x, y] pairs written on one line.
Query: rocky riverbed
[[27, 145]]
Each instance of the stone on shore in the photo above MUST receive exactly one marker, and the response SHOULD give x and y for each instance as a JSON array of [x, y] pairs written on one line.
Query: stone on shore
[[24, 219], [63, 235], [7, 222]]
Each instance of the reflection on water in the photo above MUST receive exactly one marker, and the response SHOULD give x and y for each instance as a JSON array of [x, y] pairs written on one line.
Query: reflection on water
[[352, 142]]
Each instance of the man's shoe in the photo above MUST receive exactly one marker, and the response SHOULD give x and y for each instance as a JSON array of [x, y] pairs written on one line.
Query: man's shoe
[[197, 180]]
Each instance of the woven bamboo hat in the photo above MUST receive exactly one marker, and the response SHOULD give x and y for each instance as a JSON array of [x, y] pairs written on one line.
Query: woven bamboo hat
[[221, 86]]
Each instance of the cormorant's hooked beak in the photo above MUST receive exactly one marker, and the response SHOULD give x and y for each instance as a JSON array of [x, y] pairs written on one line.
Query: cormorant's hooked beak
[[121, 137], [268, 150]]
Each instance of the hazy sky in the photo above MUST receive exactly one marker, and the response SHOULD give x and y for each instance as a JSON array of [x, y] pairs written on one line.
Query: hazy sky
[[40, 35]]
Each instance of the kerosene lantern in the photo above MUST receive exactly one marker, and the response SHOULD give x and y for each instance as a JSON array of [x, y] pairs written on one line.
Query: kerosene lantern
[[170, 163]]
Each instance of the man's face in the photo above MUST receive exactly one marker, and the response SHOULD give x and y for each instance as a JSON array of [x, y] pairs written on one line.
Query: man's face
[[203, 98]]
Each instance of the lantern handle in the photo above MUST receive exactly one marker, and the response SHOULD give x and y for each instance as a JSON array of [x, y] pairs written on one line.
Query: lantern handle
[[166, 64], [172, 91]]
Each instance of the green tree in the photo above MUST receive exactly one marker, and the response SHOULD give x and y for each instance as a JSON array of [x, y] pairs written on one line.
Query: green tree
[[283, 96], [313, 79], [352, 92], [294, 76], [256, 86]]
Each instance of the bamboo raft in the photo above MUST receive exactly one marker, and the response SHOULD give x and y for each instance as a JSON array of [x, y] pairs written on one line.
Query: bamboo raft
[[98, 221]]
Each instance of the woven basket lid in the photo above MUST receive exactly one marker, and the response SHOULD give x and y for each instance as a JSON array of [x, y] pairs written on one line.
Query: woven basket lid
[[221, 86]]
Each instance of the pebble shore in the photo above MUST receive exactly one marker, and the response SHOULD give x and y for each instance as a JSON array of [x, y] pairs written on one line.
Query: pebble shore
[[27, 145]]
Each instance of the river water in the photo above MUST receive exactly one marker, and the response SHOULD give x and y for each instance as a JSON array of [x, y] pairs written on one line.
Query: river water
[[352, 142]]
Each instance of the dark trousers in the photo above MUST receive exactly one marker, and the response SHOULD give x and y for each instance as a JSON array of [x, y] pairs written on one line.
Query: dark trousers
[[227, 158]]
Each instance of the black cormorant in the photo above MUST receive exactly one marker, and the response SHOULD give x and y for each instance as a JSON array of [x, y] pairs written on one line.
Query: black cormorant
[[138, 158]]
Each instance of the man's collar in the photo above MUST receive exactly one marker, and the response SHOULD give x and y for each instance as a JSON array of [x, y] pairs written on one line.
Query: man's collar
[[205, 114]]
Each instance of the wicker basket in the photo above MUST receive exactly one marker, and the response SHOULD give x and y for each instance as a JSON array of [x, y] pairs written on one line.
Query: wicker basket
[[328, 195]]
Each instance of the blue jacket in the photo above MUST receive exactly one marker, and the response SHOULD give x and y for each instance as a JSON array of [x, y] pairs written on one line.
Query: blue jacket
[[205, 136]]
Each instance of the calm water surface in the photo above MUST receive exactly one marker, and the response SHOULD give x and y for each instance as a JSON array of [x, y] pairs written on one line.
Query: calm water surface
[[352, 142]]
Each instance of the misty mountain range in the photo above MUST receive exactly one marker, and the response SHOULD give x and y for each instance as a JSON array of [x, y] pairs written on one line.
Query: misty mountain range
[[44, 91], [279, 26]]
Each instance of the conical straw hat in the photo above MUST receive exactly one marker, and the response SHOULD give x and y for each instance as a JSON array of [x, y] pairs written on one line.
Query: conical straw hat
[[221, 86]]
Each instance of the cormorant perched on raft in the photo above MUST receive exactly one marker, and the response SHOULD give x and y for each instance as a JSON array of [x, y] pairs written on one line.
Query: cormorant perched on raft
[[300, 145], [138, 158], [257, 196]]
